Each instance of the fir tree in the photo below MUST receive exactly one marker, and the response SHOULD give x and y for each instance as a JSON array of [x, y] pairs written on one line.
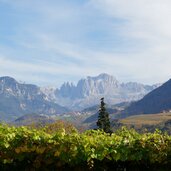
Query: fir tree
[[103, 118]]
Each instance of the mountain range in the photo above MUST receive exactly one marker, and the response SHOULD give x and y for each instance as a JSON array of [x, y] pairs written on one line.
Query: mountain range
[[18, 99], [89, 90]]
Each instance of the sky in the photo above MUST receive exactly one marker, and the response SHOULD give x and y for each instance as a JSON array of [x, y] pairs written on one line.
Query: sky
[[48, 42]]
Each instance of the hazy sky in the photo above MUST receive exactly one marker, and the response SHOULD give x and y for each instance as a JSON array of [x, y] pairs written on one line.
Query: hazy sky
[[47, 42]]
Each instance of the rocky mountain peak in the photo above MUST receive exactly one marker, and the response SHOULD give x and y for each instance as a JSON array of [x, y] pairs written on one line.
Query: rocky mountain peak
[[17, 99], [10, 86], [95, 85], [7, 80], [105, 76], [7, 83], [88, 91]]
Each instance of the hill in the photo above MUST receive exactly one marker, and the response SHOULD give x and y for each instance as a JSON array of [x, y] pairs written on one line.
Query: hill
[[146, 122], [33, 119], [148, 119], [156, 101]]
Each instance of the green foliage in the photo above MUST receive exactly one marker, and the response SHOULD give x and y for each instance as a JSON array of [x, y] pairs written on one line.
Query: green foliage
[[36, 148], [103, 118]]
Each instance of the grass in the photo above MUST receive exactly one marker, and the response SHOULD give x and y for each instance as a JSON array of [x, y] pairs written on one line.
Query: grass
[[146, 119]]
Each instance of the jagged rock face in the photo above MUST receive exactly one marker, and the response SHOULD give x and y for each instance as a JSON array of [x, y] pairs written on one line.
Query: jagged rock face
[[88, 91], [66, 90], [102, 84], [91, 86], [17, 99], [49, 92]]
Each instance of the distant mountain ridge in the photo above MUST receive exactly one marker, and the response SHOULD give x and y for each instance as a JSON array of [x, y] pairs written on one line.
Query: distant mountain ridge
[[157, 101], [33, 120], [17, 99], [88, 91]]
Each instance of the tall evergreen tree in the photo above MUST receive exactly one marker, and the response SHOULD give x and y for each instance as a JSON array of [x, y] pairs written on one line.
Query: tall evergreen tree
[[103, 118]]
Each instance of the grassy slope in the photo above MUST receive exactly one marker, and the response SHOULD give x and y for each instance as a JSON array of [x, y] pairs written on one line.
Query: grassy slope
[[147, 119]]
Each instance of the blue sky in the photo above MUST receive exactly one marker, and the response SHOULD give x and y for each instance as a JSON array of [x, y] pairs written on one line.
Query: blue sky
[[47, 42]]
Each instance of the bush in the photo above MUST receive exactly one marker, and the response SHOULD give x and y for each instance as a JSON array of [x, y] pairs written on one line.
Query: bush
[[32, 148]]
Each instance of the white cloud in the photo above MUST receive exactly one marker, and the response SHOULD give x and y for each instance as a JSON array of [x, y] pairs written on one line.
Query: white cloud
[[135, 45], [43, 71], [145, 19], [147, 23]]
